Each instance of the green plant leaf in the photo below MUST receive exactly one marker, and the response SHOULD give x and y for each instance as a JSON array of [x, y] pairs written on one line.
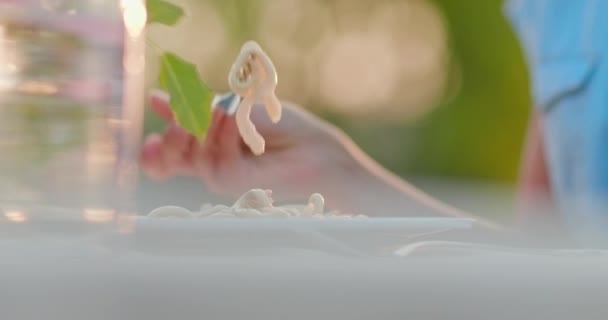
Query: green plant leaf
[[163, 12], [191, 99]]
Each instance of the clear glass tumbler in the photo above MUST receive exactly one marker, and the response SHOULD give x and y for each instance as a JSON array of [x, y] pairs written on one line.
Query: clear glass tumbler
[[71, 108]]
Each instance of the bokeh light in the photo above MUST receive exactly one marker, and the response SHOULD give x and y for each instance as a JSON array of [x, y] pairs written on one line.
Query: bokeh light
[[358, 72], [16, 216], [97, 215], [281, 22], [135, 16], [419, 37]]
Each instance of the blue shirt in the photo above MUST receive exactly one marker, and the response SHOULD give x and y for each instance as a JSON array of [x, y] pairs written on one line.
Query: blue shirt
[[565, 44]]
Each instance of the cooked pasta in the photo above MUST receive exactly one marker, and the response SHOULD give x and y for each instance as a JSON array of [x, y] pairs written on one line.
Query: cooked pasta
[[255, 203], [254, 77]]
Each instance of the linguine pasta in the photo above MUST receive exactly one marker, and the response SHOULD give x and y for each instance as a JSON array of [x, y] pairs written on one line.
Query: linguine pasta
[[254, 77], [255, 203]]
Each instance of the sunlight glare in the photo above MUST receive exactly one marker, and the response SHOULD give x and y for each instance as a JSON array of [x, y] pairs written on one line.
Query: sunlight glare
[[16, 216], [99, 215], [135, 16]]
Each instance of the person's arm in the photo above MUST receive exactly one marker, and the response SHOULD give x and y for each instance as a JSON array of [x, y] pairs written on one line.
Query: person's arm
[[534, 188], [381, 192]]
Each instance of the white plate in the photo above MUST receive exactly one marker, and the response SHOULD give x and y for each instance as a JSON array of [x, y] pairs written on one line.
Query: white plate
[[229, 236]]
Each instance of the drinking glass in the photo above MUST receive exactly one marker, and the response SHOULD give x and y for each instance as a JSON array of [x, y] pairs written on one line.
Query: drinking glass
[[71, 108]]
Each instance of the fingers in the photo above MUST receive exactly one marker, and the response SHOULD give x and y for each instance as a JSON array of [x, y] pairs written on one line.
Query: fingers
[[177, 149], [292, 119], [222, 143], [204, 157], [290, 130], [152, 159], [169, 154], [267, 127], [159, 101], [230, 140], [178, 152], [214, 133]]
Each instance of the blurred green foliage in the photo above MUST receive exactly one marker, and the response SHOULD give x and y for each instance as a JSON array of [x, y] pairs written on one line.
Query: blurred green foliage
[[478, 132], [160, 11]]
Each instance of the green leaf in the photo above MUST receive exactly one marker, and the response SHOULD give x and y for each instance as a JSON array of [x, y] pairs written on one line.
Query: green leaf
[[191, 99], [163, 12]]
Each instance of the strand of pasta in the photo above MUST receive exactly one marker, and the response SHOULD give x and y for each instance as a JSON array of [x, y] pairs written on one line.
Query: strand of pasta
[[255, 203], [254, 77]]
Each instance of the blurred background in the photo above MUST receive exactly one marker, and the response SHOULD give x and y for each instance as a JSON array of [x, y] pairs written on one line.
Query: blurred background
[[434, 90]]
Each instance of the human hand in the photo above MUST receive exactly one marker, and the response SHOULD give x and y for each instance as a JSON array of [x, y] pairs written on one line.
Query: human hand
[[303, 153]]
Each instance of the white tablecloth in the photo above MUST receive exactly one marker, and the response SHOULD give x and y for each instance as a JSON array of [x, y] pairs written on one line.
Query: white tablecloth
[[90, 277]]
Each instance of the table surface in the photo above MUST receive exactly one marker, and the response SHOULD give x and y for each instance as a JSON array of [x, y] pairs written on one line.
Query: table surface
[[116, 276]]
